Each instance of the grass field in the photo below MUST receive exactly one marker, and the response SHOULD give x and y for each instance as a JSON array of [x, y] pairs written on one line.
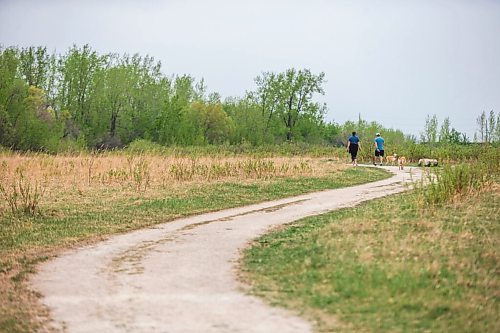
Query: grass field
[[51, 203], [425, 261]]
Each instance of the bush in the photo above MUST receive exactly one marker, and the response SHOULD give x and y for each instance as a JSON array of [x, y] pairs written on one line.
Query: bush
[[145, 146], [72, 146]]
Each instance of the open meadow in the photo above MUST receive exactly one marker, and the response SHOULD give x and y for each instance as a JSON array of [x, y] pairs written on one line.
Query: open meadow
[[50, 203], [54, 202]]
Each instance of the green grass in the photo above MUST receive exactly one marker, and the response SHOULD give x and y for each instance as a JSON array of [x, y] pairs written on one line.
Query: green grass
[[386, 266], [26, 240]]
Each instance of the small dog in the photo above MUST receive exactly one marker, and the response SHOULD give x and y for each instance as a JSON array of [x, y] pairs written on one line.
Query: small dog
[[401, 162], [392, 159], [428, 162]]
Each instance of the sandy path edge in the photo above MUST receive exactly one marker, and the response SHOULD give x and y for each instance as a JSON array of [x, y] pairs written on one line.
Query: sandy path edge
[[180, 276]]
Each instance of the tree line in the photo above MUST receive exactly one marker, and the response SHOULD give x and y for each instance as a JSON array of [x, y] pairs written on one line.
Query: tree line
[[488, 130], [87, 100]]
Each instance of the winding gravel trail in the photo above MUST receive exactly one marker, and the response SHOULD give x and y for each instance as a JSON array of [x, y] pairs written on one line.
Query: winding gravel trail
[[180, 276]]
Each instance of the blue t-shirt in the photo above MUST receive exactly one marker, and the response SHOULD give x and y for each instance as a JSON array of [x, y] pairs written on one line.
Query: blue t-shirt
[[353, 139], [380, 142]]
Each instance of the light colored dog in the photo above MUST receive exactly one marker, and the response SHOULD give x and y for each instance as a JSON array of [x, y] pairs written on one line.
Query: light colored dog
[[392, 159], [401, 162], [427, 162]]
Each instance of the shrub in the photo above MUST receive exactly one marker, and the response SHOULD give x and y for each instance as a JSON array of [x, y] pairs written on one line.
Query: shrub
[[145, 146]]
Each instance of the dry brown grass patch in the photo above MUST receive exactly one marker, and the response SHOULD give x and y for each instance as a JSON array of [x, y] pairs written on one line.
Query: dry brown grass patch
[[90, 178]]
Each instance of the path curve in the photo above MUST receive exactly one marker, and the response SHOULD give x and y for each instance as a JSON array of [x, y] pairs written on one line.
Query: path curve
[[180, 276]]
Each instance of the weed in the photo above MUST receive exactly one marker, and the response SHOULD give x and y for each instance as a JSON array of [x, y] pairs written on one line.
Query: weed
[[89, 163], [23, 195], [141, 175]]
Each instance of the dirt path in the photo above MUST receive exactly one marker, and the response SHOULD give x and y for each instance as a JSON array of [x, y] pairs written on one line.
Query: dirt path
[[180, 276]]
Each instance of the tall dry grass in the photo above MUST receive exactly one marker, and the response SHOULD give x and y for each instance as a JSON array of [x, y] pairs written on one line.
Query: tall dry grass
[[73, 177]]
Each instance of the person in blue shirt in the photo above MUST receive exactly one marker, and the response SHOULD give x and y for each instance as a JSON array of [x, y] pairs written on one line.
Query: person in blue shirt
[[379, 149], [353, 145]]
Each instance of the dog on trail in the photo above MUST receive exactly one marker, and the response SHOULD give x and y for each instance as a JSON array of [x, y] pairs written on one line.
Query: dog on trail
[[392, 159], [401, 162]]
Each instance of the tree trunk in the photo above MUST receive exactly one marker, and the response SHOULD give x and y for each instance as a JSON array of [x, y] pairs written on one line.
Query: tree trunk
[[289, 125], [112, 128]]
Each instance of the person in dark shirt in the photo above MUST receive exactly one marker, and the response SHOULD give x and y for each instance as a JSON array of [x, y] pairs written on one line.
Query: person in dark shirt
[[353, 145]]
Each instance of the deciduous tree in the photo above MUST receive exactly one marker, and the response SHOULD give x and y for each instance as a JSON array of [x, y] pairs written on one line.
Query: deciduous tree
[[289, 96]]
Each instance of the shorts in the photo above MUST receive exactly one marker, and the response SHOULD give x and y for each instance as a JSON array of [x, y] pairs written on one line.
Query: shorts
[[379, 153]]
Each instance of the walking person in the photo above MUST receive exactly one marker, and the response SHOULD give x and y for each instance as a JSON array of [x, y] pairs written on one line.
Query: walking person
[[379, 149], [353, 145]]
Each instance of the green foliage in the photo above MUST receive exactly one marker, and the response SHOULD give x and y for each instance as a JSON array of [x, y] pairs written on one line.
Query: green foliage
[[85, 99], [142, 146], [287, 98], [33, 66], [37, 127], [488, 127], [250, 126], [430, 132], [445, 132], [26, 121], [211, 120]]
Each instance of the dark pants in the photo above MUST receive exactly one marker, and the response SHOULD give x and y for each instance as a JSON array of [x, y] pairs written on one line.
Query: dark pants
[[353, 149]]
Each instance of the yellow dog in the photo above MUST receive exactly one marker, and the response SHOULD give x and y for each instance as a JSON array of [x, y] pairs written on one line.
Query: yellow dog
[[401, 162], [392, 159]]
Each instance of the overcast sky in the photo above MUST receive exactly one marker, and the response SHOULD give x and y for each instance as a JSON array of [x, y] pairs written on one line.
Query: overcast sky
[[392, 61]]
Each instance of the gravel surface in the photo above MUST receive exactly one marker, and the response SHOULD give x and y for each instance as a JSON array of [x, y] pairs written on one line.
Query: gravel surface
[[181, 276]]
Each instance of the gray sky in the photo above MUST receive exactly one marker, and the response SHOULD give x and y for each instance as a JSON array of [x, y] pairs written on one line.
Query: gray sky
[[393, 61]]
